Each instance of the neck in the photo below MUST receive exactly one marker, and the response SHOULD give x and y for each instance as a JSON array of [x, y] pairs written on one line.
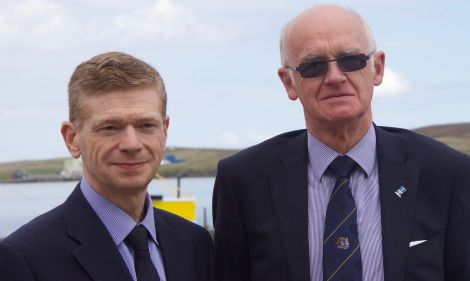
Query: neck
[[131, 202], [340, 137], [133, 206]]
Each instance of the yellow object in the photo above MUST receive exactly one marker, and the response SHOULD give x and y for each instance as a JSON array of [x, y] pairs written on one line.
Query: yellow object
[[185, 208]]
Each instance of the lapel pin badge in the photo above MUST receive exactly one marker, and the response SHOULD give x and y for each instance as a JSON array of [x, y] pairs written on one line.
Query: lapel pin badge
[[400, 191]]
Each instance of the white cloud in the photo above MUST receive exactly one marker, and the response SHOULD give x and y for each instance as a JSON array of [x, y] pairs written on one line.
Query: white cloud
[[166, 19], [32, 26], [35, 8], [32, 16], [393, 85]]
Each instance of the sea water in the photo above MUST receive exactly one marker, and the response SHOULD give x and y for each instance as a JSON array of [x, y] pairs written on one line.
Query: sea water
[[21, 202]]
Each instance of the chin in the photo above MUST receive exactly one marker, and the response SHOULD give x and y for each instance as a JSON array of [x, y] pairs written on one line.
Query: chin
[[342, 118], [133, 183], [345, 114]]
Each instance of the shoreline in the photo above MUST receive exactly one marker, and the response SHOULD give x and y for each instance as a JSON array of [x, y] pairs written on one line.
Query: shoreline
[[58, 178]]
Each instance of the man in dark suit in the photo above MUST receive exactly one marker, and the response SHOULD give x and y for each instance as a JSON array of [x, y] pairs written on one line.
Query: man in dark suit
[[344, 199], [107, 229]]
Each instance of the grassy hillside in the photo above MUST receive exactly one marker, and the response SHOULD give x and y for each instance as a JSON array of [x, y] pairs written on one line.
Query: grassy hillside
[[454, 135], [33, 168], [194, 162], [203, 162]]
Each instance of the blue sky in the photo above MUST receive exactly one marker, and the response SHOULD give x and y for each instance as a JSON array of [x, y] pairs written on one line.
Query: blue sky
[[219, 60]]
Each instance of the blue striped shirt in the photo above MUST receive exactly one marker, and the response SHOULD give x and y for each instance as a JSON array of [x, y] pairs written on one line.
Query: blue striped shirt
[[364, 185], [119, 224]]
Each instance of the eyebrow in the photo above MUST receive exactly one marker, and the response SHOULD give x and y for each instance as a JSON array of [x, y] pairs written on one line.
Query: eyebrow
[[314, 57], [117, 120], [310, 58]]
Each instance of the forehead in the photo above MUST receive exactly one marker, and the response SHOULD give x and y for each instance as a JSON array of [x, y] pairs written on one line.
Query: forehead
[[325, 32], [127, 105]]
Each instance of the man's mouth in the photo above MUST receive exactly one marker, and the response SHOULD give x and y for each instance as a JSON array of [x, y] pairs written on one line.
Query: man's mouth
[[130, 165]]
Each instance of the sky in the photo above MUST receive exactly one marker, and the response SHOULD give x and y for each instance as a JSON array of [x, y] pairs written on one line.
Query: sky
[[219, 61]]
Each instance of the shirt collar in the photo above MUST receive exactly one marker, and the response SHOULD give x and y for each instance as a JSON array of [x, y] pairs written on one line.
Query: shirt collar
[[118, 223], [364, 153]]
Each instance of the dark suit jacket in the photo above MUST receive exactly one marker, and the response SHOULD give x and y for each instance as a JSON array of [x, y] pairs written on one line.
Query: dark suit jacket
[[260, 210], [71, 243]]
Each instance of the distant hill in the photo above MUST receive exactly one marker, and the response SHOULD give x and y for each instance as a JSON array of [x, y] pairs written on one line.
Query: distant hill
[[191, 162], [194, 162], [454, 135], [460, 130], [32, 168]]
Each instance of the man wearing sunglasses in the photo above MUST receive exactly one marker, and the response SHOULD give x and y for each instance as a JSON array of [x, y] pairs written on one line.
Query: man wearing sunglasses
[[344, 199]]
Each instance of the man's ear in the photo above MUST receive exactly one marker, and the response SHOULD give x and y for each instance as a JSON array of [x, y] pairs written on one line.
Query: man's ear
[[379, 67], [288, 83], [166, 124], [70, 134]]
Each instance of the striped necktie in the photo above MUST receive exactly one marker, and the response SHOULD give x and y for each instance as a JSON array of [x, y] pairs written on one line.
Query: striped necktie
[[341, 251], [144, 268]]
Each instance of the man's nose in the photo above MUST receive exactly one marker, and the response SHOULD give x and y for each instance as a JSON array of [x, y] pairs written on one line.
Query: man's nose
[[130, 140], [334, 74]]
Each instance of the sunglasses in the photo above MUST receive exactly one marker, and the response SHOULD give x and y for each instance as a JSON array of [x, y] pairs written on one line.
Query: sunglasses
[[319, 67]]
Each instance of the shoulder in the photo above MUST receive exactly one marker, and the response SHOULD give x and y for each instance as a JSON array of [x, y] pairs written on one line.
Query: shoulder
[[421, 147], [266, 150], [33, 243], [13, 266], [179, 225], [194, 239], [39, 230]]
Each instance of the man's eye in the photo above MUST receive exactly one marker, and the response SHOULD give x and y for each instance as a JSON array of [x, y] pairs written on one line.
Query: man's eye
[[109, 128], [148, 126]]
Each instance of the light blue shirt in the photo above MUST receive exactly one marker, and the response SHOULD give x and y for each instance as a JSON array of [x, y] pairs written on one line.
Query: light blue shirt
[[119, 224], [364, 185]]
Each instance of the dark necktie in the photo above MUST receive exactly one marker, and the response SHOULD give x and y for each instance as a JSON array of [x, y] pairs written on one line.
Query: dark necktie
[[341, 251], [144, 268]]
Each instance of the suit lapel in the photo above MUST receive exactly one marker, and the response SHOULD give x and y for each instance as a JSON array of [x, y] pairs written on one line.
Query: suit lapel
[[288, 184], [172, 249], [397, 210], [97, 253]]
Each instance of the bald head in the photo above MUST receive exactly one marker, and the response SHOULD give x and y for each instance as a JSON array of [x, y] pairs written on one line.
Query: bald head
[[323, 19]]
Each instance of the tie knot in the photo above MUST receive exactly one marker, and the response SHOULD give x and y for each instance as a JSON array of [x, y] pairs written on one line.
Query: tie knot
[[138, 239], [342, 166]]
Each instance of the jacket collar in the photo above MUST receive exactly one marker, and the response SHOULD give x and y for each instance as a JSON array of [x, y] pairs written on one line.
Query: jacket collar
[[96, 252], [288, 183]]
